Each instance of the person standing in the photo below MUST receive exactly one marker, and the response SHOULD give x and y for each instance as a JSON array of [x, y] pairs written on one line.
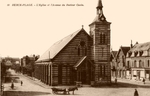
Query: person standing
[[144, 80], [21, 83], [12, 85], [136, 93], [116, 80]]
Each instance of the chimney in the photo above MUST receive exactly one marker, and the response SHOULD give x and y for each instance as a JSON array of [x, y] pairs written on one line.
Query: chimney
[[131, 45]]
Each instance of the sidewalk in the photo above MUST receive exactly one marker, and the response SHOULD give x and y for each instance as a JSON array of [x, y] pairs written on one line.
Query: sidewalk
[[38, 82], [147, 83]]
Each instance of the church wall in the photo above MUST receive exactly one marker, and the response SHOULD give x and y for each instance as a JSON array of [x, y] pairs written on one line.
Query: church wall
[[69, 57]]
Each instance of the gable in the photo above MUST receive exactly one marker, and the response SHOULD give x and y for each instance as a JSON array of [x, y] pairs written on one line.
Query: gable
[[70, 52], [58, 46], [122, 51]]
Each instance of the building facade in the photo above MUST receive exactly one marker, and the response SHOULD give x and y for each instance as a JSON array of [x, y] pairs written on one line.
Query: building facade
[[0, 76], [138, 61], [113, 64], [79, 57], [121, 62]]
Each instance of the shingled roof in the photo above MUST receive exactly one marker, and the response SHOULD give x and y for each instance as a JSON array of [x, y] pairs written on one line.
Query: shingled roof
[[140, 47], [57, 47], [124, 50]]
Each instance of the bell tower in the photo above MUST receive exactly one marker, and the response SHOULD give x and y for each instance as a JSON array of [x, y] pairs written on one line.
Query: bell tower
[[100, 34]]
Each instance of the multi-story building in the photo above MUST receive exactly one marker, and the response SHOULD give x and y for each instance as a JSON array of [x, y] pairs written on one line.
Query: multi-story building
[[113, 64], [138, 61], [121, 62], [80, 57]]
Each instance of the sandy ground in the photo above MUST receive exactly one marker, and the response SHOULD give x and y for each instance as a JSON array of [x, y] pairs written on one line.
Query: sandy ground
[[36, 88]]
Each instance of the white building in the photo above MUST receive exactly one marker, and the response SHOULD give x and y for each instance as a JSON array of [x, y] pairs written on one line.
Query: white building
[[138, 61]]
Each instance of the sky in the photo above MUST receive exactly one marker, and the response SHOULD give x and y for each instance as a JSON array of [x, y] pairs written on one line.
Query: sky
[[27, 30]]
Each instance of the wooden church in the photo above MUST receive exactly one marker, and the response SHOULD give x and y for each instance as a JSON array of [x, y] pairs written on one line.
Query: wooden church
[[79, 57]]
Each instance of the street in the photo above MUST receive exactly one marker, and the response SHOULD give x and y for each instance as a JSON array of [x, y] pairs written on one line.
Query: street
[[33, 87], [29, 87]]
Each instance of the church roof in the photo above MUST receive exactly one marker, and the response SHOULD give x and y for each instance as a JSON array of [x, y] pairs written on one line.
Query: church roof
[[57, 47], [97, 20], [140, 47]]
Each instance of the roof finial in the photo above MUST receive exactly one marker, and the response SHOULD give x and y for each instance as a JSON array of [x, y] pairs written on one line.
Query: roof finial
[[82, 26]]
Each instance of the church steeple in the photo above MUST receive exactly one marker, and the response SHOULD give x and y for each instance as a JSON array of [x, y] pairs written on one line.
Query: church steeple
[[100, 14], [99, 6], [100, 34]]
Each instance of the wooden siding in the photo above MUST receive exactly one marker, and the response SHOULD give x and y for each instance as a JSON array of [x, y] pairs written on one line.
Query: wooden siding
[[101, 52], [68, 57]]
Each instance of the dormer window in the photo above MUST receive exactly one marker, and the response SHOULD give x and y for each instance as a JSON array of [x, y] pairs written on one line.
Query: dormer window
[[129, 54], [135, 53], [140, 52]]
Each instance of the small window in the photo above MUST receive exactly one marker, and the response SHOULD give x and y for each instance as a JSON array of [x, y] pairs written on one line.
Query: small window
[[140, 52], [135, 53]]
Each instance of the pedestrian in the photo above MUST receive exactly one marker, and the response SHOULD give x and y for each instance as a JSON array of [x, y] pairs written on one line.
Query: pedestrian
[[136, 93], [12, 85], [115, 80], [21, 83], [144, 80]]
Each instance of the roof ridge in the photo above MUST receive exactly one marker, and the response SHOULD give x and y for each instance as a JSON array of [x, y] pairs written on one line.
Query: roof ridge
[[53, 50]]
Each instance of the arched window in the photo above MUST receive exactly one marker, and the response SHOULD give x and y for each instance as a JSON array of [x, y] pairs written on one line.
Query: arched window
[[135, 64], [140, 63], [82, 50], [102, 38], [143, 64]]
